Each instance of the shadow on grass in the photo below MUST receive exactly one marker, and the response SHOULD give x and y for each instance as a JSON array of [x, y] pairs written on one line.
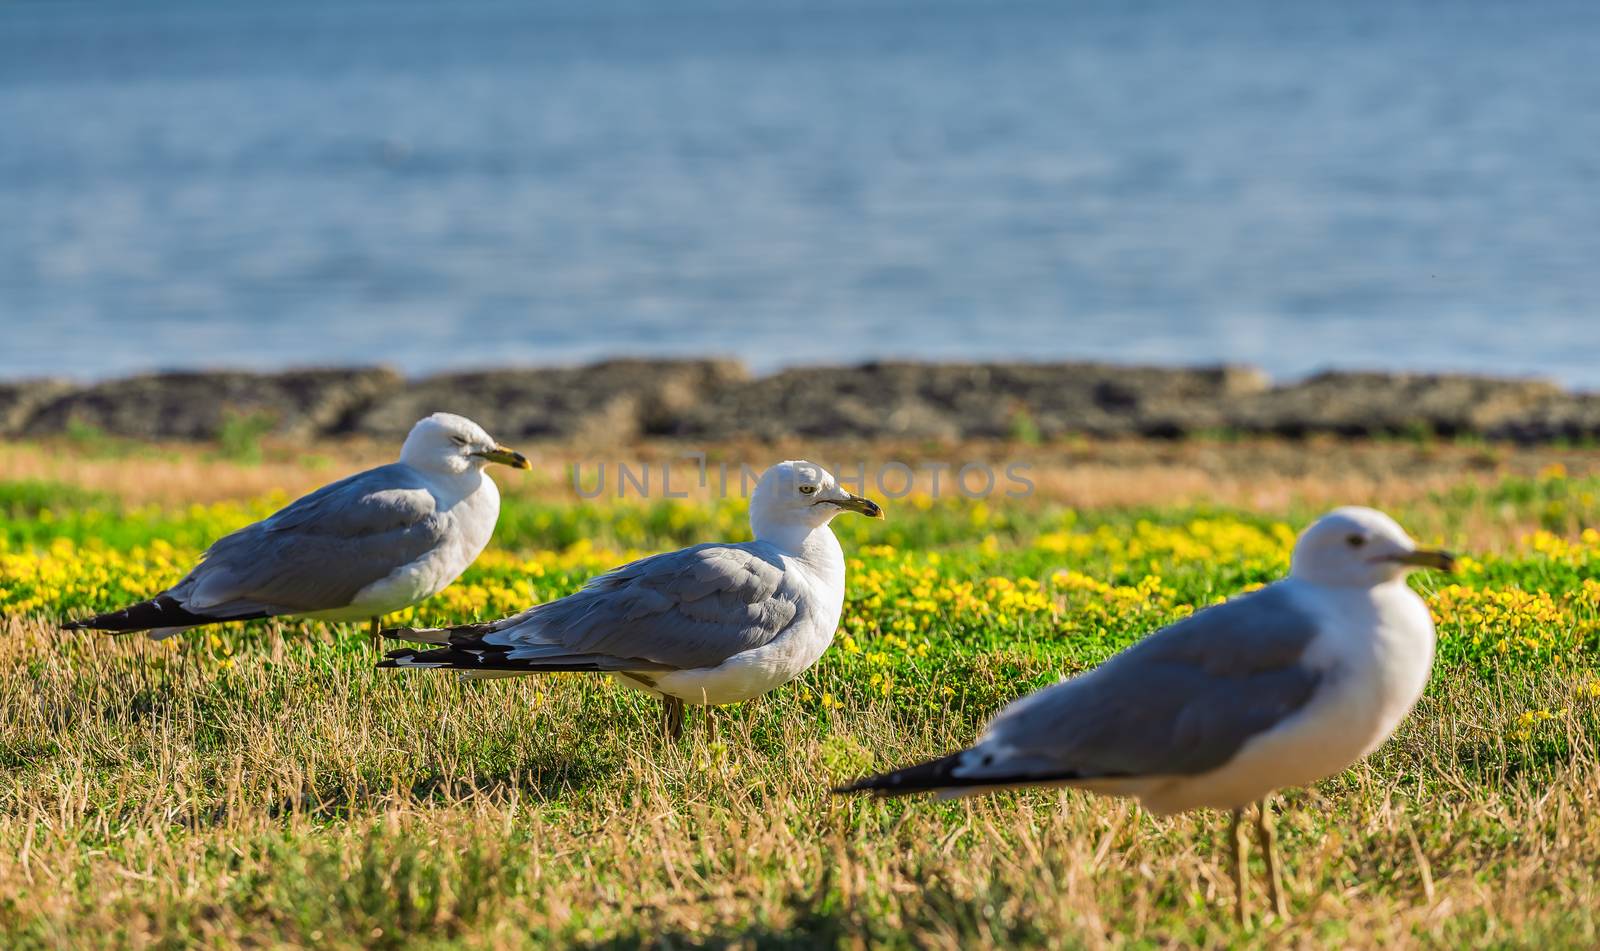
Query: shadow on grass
[[825, 932], [815, 924], [544, 778], [823, 918]]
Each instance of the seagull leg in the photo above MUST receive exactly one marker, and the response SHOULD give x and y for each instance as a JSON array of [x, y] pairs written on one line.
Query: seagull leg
[[672, 717], [1268, 834], [1240, 840], [372, 634]]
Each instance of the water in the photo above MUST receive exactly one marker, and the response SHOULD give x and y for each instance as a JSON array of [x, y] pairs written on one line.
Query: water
[[442, 185]]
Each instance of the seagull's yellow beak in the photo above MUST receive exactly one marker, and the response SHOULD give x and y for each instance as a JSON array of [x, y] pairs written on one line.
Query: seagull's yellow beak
[[1436, 558], [855, 503], [506, 456]]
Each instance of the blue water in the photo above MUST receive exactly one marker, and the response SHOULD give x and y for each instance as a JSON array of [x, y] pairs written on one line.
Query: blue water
[[438, 185]]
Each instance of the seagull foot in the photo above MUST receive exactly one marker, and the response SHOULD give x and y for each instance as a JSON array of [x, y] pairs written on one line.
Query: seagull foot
[[672, 718], [1267, 832], [1240, 872]]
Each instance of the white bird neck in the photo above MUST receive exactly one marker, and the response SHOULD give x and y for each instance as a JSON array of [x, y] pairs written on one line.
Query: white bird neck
[[452, 487], [1397, 591], [1388, 610], [816, 545], [1389, 588]]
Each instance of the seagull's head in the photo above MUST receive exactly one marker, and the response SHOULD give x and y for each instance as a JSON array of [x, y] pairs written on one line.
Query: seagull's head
[[449, 444], [1361, 547], [801, 495]]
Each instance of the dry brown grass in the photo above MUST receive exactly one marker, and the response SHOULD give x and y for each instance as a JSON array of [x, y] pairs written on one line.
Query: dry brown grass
[[1260, 475], [303, 799]]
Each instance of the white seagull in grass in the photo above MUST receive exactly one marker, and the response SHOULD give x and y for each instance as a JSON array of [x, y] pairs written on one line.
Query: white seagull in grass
[[364, 546], [710, 624], [1280, 687]]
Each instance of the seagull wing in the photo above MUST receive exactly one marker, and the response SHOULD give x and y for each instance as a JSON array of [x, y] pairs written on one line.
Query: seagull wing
[[1181, 702], [681, 610], [317, 553]]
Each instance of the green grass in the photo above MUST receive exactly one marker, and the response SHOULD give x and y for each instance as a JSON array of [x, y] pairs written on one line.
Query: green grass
[[239, 439], [267, 786]]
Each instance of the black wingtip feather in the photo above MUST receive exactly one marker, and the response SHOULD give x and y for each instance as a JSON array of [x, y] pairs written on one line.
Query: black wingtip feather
[[923, 777], [459, 634], [939, 774], [160, 611], [399, 633], [392, 658], [483, 658]]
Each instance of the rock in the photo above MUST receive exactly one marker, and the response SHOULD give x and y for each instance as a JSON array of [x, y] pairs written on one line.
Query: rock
[[302, 403], [611, 401], [1379, 404], [619, 400], [19, 401], [953, 401], [1568, 417]]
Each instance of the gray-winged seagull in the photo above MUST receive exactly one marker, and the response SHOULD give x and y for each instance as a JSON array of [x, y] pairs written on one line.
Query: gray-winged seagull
[[364, 546], [711, 624], [1280, 687]]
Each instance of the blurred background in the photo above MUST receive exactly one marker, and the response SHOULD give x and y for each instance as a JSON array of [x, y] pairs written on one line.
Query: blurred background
[[437, 185]]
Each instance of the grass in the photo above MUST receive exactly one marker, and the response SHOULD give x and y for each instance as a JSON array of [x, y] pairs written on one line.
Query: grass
[[240, 436], [263, 785]]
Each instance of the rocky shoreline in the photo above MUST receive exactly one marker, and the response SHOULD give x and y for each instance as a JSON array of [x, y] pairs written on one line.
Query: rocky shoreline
[[620, 400]]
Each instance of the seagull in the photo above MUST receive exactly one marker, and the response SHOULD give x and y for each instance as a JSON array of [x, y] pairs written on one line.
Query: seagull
[[711, 624], [376, 542], [1280, 687]]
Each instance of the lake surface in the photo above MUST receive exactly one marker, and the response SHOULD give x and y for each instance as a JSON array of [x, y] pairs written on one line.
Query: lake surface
[[1362, 184]]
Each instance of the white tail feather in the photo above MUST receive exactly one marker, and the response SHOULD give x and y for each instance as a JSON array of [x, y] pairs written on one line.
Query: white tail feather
[[162, 633], [493, 674], [438, 636]]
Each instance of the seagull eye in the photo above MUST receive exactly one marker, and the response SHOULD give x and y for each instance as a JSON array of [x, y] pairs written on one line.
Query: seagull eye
[[1355, 541], [807, 489]]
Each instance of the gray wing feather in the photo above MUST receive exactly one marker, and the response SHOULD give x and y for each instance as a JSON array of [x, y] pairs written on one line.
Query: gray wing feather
[[316, 553], [680, 610], [1180, 702]]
